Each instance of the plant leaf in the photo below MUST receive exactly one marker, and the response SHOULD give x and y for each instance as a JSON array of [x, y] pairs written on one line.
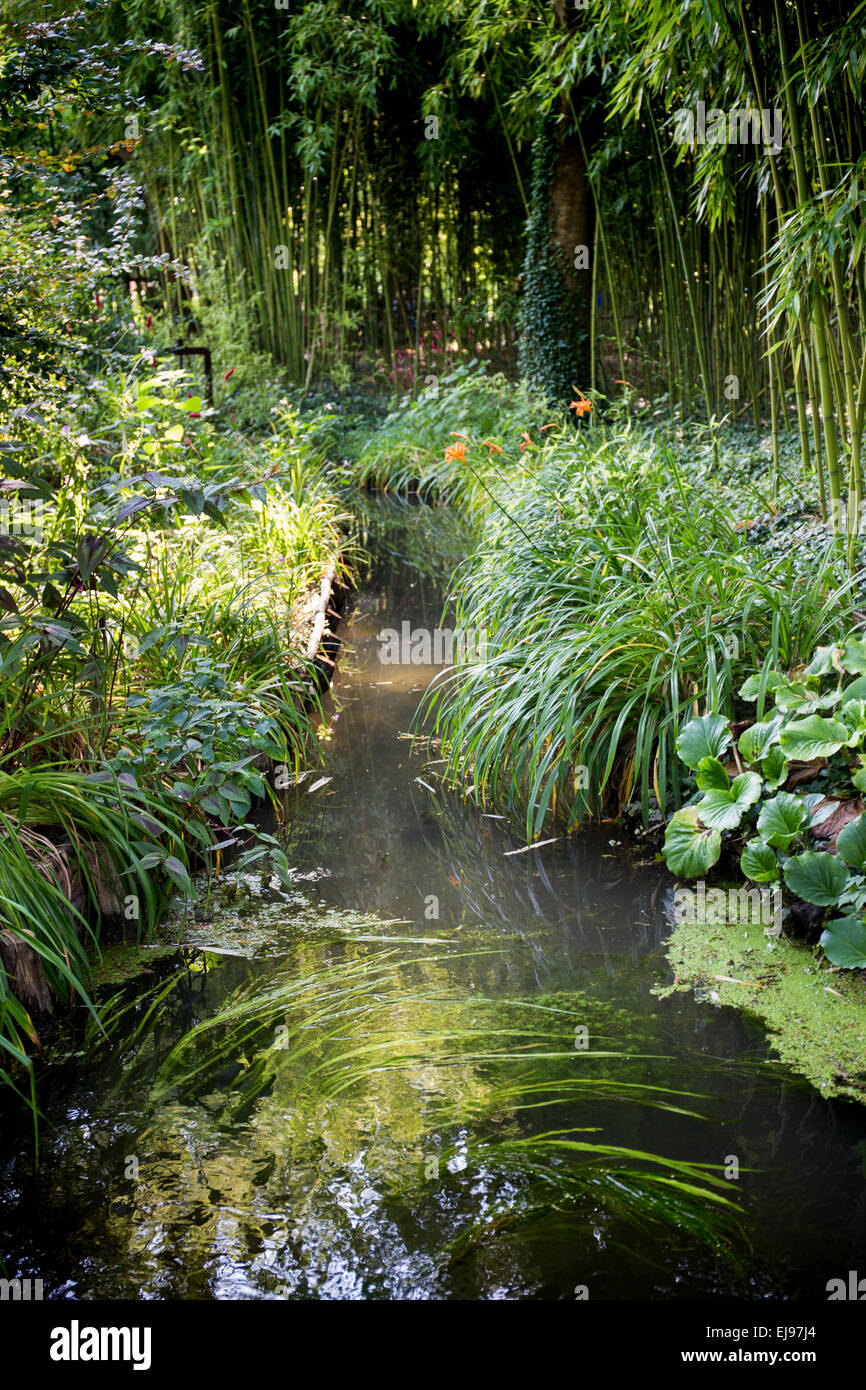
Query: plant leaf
[[782, 819], [844, 943], [774, 768], [755, 742], [711, 775], [690, 848], [854, 655], [759, 863], [704, 737], [724, 810], [851, 843], [816, 878], [813, 737]]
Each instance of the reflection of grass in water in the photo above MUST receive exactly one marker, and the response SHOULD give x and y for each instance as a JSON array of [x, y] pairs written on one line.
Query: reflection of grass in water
[[429, 541], [375, 1044]]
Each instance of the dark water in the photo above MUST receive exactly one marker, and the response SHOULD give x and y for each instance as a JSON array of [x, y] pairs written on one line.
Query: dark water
[[363, 1118]]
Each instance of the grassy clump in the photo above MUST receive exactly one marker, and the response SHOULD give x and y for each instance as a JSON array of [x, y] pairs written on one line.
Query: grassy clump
[[616, 589]]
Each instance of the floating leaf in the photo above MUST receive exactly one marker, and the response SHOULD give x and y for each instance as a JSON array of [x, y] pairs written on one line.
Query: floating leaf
[[690, 848], [816, 878], [782, 819]]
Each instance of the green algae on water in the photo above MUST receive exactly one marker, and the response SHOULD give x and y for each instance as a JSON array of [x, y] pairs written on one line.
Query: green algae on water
[[815, 1016]]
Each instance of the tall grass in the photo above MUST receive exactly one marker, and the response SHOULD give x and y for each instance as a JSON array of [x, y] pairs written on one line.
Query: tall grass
[[618, 594], [75, 849]]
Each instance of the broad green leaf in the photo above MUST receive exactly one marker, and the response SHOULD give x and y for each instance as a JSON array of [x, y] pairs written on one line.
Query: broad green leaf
[[192, 404], [854, 655], [856, 690], [853, 716], [723, 810], [704, 737], [755, 742], [759, 863], [826, 659], [816, 878], [844, 943], [851, 843], [711, 775], [806, 699], [813, 737], [751, 688], [690, 848], [774, 768], [174, 434], [782, 819]]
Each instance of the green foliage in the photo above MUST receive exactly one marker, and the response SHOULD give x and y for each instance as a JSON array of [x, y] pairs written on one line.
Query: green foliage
[[817, 878], [827, 748], [703, 738], [691, 848], [421, 445], [157, 537], [351, 1032], [844, 943], [612, 583]]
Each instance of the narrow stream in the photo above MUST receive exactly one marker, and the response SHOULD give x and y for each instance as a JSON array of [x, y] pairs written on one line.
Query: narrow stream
[[390, 1042]]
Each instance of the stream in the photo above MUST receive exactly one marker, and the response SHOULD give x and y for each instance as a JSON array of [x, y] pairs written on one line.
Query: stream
[[348, 1091]]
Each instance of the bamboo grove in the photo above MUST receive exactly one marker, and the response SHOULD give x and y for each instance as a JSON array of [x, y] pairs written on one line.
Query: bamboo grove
[[354, 180], [348, 184]]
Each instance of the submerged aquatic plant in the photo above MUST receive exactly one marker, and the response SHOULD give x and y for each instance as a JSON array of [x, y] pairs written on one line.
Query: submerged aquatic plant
[[384, 1044]]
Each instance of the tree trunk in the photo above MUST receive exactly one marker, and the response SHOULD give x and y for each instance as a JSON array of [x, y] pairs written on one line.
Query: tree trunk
[[556, 344]]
